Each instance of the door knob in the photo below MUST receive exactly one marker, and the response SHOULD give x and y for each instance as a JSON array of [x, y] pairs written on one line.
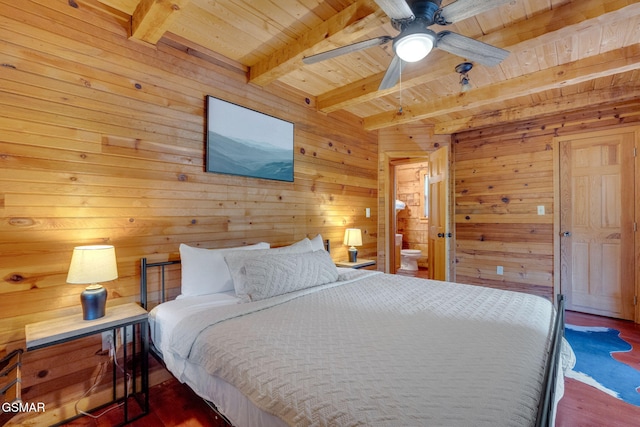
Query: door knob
[[567, 234], [440, 234]]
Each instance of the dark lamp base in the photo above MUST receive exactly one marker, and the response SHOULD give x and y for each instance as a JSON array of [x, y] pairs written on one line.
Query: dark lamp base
[[94, 299], [353, 255]]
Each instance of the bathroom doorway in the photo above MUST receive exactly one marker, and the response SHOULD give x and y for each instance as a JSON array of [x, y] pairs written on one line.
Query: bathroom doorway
[[412, 217], [439, 236]]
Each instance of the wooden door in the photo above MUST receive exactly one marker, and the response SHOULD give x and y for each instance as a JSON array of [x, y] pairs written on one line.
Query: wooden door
[[439, 232], [596, 224]]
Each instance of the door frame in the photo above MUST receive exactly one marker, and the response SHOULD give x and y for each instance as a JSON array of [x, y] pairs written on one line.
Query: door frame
[[388, 193], [556, 211]]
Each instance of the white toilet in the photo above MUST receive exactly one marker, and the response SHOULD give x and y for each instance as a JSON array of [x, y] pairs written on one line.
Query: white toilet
[[409, 259]]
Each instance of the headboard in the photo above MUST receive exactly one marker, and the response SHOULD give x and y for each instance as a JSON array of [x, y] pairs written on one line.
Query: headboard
[[145, 265]]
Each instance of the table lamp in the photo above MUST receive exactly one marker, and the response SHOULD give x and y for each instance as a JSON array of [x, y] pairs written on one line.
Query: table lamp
[[89, 265], [353, 238]]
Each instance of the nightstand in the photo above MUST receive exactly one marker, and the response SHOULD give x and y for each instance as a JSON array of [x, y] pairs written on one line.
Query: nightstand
[[361, 263], [126, 316]]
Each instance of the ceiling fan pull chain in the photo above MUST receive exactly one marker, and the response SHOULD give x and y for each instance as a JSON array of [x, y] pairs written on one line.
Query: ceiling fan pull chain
[[400, 80]]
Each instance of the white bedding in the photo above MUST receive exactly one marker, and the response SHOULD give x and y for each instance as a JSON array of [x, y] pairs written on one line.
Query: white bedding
[[164, 317], [376, 349]]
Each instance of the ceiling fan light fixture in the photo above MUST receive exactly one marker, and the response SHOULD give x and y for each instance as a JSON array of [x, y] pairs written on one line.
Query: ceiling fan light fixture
[[414, 46]]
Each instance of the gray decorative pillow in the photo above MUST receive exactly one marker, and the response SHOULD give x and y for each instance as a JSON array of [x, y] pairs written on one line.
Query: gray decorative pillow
[[276, 274], [235, 261]]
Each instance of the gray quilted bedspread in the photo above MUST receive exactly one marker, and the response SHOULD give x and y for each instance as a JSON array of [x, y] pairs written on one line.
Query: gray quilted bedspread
[[380, 350]]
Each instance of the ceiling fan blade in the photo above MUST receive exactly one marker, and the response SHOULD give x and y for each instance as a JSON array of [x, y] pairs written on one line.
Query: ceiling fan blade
[[471, 49], [463, 9], [395, 9], [392, 75], [346, 49]]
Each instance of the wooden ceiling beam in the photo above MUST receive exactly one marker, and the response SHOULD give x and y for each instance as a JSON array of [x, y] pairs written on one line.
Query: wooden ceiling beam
[[126, 6], [152, 18], [555, 24], [345, 27], [605, 64], [573, 102]]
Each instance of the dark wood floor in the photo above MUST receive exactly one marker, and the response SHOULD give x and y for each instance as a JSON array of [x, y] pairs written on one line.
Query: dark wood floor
[[170, 404]]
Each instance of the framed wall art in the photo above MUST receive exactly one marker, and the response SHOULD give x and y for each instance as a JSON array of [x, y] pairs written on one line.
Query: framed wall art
[[244, 142]]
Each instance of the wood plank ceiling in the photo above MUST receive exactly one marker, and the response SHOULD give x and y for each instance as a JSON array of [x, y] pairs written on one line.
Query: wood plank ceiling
[[564, 55]]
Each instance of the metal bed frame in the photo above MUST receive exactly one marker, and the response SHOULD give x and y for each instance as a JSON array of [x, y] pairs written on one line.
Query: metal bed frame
[[545, 415], [144, 302], [157, 354], [547, 398]]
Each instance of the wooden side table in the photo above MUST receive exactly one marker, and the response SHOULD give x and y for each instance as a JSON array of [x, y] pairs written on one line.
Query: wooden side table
[[361, 263], [69, 328]]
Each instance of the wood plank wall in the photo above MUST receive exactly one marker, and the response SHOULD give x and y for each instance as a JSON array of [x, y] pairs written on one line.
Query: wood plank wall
[[502, 174], [102, 141]]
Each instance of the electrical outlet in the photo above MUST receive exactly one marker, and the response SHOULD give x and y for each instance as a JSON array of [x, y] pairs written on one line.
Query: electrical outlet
[[499, 270], [107, 339], [541, 210]]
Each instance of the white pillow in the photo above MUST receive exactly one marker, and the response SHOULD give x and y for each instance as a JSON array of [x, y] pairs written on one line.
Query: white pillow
[[317, 243], [204, 271], [301, 246], [235, 262], [276, 274]]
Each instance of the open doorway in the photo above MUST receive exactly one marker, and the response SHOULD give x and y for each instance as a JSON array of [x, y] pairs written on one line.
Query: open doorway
[[412, 217], [439, 234]]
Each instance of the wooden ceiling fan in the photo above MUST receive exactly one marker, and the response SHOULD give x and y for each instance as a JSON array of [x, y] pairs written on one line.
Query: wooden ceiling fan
[[416, 40]]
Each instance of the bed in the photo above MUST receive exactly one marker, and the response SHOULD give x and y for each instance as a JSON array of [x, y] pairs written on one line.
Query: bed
[[287, 338]]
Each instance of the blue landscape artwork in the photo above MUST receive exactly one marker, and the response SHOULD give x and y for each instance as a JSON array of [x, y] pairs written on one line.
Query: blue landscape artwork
[[241, 141]]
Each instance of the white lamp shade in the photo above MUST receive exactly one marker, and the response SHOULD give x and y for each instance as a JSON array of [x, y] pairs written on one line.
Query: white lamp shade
[[414, 47], [92, 264], [353, 237]]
